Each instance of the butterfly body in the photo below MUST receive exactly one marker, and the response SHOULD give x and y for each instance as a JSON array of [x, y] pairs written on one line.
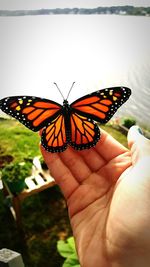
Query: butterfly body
[[68, 124]]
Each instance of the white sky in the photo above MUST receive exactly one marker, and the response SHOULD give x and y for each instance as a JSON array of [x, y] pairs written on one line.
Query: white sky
[[35, 4]]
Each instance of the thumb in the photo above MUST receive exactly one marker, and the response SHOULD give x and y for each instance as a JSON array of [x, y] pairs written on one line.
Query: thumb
[[138, 144]]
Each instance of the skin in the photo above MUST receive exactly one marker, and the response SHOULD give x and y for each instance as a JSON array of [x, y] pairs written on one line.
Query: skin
[[107, 189]]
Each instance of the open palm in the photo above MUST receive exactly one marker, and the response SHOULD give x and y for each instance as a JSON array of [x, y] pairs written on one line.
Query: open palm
[[103, 191]]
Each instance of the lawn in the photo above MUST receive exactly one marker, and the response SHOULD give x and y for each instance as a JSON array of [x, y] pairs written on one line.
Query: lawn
[[17, 140], [44, 215]]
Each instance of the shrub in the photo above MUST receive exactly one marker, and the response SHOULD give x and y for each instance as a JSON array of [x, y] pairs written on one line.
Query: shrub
[[14, 175], [128, 122]]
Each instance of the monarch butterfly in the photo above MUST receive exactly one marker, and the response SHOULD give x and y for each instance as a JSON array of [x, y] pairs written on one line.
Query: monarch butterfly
[[66, 124]]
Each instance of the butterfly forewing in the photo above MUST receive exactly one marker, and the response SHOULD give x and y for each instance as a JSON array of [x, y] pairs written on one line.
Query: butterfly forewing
[[101, 105], [33, 112]]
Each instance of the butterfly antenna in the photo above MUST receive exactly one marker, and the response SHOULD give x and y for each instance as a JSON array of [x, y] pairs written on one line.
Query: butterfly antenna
[[59, 91], [70, 90]]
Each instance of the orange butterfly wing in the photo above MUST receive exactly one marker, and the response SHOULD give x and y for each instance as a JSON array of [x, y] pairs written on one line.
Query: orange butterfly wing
[[54, 135], [33, 112], [101, 105], [84, 132]]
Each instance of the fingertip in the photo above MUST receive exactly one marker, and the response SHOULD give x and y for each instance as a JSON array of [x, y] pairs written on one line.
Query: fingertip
[[138, 143], [44, 152], [136, 128], [135, 134], [40, 132]]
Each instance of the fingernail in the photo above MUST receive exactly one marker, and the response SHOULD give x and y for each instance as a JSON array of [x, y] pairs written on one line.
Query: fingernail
[[140, 130]]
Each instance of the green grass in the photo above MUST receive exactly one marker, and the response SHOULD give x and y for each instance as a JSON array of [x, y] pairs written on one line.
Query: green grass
[[115, 133], [44, 215], [17, 140]]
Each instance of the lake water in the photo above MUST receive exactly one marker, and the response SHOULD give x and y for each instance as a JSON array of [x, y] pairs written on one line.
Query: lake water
[[96, 51]]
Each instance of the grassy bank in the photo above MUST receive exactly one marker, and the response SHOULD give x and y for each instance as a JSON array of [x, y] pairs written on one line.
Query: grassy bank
[[44, 215], [17, 140]]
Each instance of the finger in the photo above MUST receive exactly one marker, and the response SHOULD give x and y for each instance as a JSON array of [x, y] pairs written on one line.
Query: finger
[[60, 172], [40, 132], [139, 145], [108, 147], [75, 164], [94, 160], [118, 164], [135, 135]]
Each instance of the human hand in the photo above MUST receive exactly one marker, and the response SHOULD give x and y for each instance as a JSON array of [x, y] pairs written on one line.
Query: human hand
[[107, 189]]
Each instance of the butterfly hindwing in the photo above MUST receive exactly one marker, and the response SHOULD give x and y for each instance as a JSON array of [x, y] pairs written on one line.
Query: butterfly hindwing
[[84, 132], [101, 105], [33, 112], [54, 135]]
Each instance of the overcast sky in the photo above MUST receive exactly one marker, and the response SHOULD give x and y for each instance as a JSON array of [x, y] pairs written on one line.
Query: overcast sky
[[35, 4]]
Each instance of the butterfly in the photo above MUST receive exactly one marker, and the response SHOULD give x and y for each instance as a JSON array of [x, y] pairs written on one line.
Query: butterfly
[[64, 125]]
